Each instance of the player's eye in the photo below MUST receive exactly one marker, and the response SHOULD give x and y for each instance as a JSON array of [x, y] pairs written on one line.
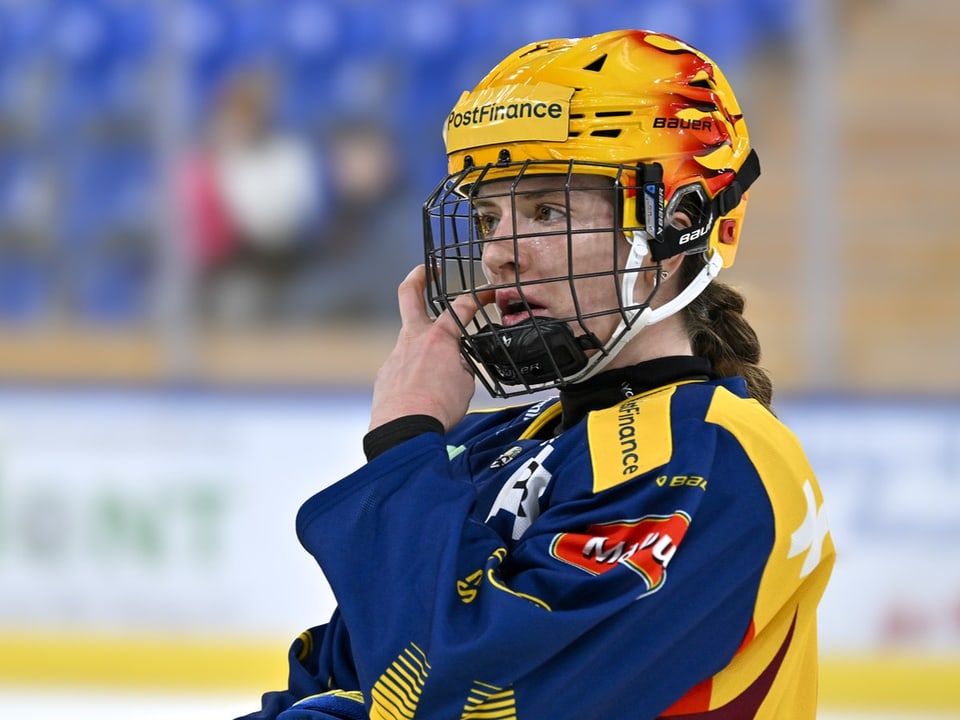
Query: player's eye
[[549, 214], [485, 224]]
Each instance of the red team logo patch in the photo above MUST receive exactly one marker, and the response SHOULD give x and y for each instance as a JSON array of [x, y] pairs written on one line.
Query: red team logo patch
[[646, 546]]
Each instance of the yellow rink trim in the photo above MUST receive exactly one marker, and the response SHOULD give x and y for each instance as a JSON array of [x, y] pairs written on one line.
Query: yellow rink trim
[[148, 662], [182, 663], [891, 682]]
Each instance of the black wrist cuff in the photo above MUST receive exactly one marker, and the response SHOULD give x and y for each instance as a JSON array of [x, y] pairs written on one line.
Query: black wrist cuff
[[389, 435]]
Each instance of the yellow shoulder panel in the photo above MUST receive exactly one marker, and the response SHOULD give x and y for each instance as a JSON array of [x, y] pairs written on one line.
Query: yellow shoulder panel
[[803, 549], [630, 439]]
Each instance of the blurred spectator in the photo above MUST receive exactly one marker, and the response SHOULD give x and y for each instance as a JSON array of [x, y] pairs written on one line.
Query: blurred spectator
[[369, 233], [253, 195]]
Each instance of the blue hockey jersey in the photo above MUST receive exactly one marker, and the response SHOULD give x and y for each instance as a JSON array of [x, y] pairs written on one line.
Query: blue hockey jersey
[[662, 557]]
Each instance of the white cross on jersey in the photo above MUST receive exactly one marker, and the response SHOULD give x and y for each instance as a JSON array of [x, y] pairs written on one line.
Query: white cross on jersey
[[520, 495], [810, 535]]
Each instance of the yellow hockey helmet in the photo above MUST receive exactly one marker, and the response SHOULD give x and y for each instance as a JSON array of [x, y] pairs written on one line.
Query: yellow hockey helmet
[[620, 98]]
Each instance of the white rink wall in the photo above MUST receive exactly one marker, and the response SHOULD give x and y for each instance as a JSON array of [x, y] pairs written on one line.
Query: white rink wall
[[147, 546]]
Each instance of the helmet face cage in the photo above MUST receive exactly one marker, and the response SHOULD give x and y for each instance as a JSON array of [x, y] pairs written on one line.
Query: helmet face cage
[[540, 352]]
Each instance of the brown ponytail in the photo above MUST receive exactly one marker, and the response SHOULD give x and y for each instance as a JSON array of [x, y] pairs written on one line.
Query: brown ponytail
[[719, 332]]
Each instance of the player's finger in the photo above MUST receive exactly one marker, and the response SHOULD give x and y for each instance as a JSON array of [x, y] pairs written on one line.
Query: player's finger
[[413, 309], [466, 308]]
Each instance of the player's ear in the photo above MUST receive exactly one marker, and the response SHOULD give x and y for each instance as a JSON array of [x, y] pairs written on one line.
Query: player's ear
[[670, 265]]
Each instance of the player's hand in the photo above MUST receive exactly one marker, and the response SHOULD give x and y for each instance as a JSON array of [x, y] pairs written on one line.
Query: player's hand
[[425, 373]]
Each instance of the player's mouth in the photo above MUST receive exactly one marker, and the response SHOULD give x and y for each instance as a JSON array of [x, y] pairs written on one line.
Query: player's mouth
[[514, 309]]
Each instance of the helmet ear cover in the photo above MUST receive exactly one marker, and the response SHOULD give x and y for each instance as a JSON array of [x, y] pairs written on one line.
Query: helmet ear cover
[[667, 240]]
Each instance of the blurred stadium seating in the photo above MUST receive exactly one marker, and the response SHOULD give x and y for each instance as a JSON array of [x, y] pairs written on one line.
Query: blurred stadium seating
[[98, 99]]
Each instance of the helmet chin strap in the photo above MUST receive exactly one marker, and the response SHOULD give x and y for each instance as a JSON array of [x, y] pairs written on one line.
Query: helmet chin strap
[[631, 326]]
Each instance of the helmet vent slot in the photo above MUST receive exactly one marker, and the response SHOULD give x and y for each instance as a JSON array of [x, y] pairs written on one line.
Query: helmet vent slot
[[613, 113], [596, 65], [538, 47], [705, 107], [610, 133]]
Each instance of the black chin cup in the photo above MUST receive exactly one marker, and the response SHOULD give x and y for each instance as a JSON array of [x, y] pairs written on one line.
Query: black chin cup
[[531, 352]]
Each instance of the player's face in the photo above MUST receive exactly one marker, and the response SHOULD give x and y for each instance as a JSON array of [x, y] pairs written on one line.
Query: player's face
[[540, 237]]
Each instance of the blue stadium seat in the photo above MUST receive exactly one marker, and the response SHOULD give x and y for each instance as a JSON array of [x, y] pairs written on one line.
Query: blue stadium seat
[[101, 57], [109, 232], [308, 42], [27, 286]]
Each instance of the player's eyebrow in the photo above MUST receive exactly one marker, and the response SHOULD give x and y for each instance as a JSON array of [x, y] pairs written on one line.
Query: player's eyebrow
[[541, 194], [484, 204], [542, 188], [524, 194]]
